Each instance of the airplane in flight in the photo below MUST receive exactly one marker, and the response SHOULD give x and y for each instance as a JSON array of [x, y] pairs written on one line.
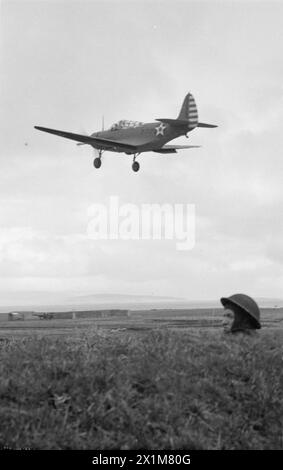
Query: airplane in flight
[[134, 137]]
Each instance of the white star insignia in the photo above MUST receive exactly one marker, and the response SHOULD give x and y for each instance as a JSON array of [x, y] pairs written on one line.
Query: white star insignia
[[160, 129]]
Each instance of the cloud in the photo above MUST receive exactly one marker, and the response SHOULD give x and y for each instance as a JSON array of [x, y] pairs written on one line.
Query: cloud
[[141, 66]]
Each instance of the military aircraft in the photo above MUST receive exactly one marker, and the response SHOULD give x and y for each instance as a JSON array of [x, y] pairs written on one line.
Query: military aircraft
[[134, 137], [44, 315]]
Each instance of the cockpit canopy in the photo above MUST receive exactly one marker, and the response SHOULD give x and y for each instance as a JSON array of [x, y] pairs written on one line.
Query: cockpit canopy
[[125, 124]]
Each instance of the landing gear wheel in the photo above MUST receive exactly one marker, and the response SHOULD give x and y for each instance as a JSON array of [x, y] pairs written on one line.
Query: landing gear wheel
[[136, 166], [97, 162]]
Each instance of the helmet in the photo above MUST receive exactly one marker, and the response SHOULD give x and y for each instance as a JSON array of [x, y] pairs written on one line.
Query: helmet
[[247, 304]]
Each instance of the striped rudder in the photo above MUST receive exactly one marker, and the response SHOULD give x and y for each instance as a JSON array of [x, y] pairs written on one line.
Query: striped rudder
[[189, 111]]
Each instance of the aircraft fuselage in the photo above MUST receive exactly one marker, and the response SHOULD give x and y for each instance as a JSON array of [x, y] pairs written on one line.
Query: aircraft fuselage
[[145, 137]]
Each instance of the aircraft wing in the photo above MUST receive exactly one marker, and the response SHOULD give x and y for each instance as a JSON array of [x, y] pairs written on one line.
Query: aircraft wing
[[173, 148], [88, 139]]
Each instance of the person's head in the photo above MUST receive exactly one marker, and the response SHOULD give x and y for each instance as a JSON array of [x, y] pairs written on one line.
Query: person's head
[[241, 313], [228, 319]]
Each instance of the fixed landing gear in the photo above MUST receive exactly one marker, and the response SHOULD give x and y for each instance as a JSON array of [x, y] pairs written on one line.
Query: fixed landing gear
[[135, 165], [97, 161]]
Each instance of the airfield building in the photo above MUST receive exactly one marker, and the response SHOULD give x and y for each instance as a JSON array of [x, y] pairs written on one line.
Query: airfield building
[[114, 313], [13, 316]]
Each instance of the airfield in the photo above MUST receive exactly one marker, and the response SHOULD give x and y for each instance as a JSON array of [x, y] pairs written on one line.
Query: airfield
[[136, 322], [152, 379]]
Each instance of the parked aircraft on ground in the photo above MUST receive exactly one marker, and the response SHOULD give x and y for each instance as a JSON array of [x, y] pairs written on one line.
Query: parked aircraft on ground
[[44, 315]]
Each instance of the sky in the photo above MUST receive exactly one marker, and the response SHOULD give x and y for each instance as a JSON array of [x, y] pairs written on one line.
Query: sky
[[65, 64]]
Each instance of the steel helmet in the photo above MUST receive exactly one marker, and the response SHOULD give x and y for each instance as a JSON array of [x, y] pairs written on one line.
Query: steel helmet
[[247, 304]]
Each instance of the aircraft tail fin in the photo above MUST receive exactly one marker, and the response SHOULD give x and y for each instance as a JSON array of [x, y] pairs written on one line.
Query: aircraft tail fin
[[189, 111], [188, 116]]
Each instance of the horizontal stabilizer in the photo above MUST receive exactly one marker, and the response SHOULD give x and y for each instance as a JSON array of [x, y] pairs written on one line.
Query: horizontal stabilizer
[[179, 147], [165, 150], [174, 148], [202, 124]]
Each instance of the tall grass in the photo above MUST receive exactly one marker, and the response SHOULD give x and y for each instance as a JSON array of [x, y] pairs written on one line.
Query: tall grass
[[159, 390]]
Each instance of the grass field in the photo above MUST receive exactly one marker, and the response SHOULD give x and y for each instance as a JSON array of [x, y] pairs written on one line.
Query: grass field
[[155, 380]]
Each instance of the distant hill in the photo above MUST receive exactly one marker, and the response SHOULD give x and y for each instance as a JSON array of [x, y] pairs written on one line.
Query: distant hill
[[44, 301]]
